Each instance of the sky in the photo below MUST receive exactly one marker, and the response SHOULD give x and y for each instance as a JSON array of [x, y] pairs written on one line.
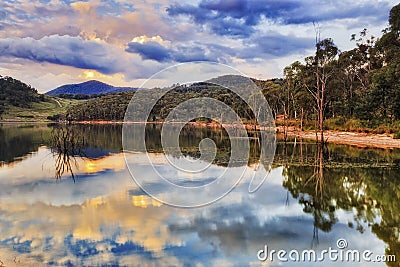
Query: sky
[[48, 43]]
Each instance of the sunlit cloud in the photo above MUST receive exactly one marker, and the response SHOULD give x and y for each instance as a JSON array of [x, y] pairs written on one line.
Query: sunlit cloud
[[117, 78], [143, 39]]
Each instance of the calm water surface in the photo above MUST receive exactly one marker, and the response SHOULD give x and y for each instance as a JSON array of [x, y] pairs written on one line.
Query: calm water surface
[[80, 207]]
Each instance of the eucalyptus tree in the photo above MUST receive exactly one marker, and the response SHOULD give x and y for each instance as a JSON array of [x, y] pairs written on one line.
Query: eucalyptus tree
[[325, 55]]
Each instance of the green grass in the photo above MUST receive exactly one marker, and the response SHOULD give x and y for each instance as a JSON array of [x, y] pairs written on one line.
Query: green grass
[[39, 111]]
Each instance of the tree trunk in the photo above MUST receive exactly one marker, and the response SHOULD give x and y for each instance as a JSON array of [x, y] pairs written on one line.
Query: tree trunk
[[321, 107], [321, 118], [301, 119]]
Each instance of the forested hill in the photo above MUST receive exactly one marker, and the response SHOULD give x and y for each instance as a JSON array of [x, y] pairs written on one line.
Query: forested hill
[[87, 88], [16, 93], [113, 106]]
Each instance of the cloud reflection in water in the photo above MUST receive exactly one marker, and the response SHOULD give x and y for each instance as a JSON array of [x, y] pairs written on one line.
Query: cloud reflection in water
[[105, 218]]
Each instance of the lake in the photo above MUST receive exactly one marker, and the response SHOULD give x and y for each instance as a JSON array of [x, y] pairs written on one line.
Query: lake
[[75, 203]]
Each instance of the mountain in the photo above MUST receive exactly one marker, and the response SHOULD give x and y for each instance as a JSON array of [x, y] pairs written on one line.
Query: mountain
[[88, 88]]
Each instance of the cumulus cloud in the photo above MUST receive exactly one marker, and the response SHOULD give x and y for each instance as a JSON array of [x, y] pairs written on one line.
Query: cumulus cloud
[[114, 21], [239, 18]]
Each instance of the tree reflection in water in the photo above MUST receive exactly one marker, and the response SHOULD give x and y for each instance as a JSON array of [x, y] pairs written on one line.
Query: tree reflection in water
[[332, 182], [66, 145]]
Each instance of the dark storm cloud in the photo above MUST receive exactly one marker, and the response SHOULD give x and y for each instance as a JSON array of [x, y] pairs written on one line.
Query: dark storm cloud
[[238, 17], [64, 50]]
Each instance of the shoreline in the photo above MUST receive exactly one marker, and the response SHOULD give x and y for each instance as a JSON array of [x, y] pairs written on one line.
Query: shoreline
[[361, 140]]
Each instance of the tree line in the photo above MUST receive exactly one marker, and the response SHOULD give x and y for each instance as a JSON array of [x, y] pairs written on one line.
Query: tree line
[[80, 96], [113, 106]]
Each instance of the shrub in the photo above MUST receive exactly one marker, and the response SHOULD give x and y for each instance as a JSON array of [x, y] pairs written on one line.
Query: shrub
[[55, 117], [379, 130]]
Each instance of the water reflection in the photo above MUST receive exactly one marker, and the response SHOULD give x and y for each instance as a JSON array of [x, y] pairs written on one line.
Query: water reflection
[[66, 145], [324, 190], [312, 197], [17, 141]]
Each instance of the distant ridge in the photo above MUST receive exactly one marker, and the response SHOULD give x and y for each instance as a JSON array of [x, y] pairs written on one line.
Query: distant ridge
[[92, 87]]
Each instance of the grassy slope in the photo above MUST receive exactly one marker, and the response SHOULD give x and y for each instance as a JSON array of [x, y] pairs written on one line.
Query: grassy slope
[[39, 111]]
